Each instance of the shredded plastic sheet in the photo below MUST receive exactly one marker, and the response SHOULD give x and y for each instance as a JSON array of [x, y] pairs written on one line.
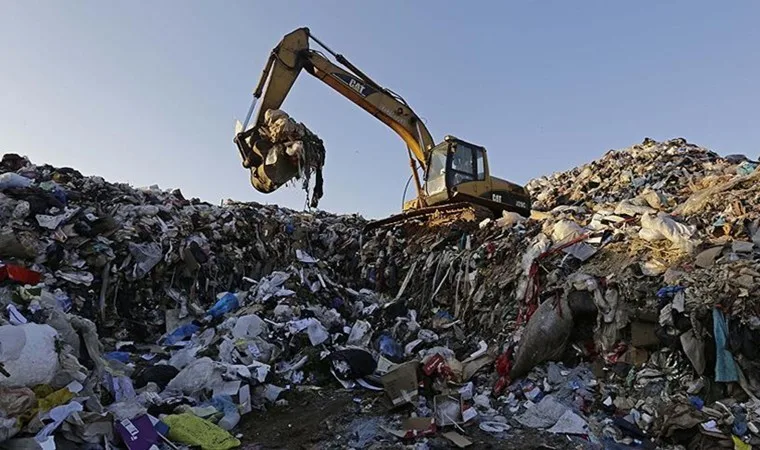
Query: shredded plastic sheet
[[544, 414], [570, 423]]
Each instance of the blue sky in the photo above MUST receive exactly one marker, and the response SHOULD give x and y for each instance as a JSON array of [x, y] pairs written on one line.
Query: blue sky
[[147, 92]]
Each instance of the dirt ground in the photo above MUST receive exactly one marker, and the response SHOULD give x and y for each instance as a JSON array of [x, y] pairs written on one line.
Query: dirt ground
[[327, 420]]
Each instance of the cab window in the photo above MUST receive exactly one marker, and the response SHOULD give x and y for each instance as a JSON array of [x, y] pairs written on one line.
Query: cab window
[[436, 181], [479, 165], [466, 165]]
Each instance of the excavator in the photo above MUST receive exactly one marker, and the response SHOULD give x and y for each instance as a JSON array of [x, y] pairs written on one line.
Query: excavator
[[455, 173]]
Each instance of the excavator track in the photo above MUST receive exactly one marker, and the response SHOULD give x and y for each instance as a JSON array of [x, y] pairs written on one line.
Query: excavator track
[[433, 216]]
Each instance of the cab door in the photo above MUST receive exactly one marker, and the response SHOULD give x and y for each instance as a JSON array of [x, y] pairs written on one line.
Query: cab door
[[466, 172]]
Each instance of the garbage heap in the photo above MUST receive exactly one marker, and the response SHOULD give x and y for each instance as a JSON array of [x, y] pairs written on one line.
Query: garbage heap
[[101, 284], [621, 314], [642, 266]]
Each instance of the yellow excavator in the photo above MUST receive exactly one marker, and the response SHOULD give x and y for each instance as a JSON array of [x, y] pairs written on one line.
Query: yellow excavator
[[455, 172]]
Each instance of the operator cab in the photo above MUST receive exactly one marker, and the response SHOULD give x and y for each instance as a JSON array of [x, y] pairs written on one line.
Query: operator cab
[[453, 163], [458, 171]]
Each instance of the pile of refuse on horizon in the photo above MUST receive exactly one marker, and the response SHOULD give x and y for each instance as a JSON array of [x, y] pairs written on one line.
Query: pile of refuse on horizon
[[624, 313]]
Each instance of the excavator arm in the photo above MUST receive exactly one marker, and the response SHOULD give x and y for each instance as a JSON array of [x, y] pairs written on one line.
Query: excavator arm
[[293, 54]]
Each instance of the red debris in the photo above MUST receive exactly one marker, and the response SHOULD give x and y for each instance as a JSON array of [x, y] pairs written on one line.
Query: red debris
[[437, 366], [503, 366], [19, 274]]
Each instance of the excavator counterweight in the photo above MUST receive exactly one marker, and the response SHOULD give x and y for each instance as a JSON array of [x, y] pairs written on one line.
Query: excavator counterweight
[[454, 172]]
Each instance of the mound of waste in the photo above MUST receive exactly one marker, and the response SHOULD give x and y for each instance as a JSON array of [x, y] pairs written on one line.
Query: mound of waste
[[622, 314]]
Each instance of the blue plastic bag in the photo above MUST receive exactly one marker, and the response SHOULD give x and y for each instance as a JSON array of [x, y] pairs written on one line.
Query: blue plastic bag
[[180, 333], [118, 356], [390, 348], [228, 302]]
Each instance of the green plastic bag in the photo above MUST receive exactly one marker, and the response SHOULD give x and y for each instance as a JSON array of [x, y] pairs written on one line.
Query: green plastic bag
[[192, 430]]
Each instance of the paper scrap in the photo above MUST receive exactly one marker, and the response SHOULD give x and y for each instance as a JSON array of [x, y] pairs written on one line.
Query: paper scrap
[[458, 440]]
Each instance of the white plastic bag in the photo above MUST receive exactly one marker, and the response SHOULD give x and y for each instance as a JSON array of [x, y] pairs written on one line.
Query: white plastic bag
[[663, 226], [28, 354], [565, 231], [197, 376], [249, 326], [360, 334]]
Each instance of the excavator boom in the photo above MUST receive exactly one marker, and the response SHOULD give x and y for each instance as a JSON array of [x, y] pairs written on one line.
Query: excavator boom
[[293, 54], [456, 172]]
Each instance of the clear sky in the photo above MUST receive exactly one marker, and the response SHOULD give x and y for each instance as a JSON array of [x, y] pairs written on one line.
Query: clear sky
[[147, 92]]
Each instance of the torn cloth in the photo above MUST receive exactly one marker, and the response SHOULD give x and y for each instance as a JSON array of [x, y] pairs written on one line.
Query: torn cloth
[[725, 366]]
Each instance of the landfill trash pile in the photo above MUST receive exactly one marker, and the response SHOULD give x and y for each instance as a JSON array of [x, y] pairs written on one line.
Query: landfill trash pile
[[102, 285], [284, 149], [643, 264], [622, 314]]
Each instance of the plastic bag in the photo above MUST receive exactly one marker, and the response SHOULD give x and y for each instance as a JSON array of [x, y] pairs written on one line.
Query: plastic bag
[[228, 302], [76, 277], [184, 357], [626, 208], [8, 428], [663, 226], [544, 414], [10, 180], [15, 401], [360, 334], [545, 336], [352, 363], [566, 230], [225, 404], [28, 354], [199, 375], [271, 285], [66, 332], [509, 218], [390, 348], [179, 334], [192, 430], [314, 328], [249, 326], [317, 333], [161, 374], [146, 257], [539, 245]]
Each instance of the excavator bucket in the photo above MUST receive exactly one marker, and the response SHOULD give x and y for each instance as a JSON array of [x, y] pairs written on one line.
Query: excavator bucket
[[254, 151], [241, 140]]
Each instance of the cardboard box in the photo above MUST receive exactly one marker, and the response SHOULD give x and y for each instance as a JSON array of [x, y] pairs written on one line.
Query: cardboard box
[[401, 384]]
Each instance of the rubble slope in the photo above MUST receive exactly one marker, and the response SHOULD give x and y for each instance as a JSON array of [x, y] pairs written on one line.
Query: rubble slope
[[641, 266]]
